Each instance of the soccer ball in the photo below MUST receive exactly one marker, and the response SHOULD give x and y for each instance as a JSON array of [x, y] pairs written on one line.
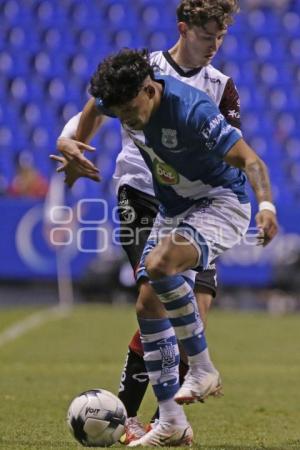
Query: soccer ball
[[96, 418]]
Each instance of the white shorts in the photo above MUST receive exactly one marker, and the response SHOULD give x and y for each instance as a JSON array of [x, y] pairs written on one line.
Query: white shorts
[[212, 226]]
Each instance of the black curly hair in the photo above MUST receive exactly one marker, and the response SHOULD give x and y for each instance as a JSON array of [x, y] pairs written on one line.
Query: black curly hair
[[199, 12], [119, 78]]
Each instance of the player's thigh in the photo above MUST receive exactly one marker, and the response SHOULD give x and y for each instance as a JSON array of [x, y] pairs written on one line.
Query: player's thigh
[[137, 211], [173, 254], [216, 228]]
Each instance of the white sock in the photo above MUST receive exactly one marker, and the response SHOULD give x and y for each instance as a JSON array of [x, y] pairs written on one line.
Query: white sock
[[172, 413], [201, 362]]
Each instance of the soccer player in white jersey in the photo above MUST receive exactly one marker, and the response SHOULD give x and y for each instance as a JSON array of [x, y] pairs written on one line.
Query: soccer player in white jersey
[[202, 26], [198, 162]]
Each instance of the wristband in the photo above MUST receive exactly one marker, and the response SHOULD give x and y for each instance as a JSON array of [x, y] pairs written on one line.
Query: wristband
[[267, 206], [70, 128]]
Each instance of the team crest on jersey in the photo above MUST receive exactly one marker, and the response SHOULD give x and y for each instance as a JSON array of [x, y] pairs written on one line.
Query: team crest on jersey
[[164, 173], [169, 138]]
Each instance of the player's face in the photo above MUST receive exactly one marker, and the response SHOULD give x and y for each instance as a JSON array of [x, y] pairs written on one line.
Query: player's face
[[136, 113], [202, 43]]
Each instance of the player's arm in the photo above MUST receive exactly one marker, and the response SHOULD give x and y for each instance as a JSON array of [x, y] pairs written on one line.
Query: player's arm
[[76, 134], [73, 141], [243, 157], [230, 104]]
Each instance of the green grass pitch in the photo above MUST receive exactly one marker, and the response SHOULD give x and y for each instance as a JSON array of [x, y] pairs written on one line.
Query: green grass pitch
[[257, 355]]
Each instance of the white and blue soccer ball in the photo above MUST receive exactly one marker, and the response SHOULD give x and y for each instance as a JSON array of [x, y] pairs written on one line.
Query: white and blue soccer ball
[[97, 418]]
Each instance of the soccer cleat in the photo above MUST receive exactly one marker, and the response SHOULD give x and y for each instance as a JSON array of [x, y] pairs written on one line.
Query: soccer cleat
[[166, 435], [151, 425], [134, 430], [197, 386]]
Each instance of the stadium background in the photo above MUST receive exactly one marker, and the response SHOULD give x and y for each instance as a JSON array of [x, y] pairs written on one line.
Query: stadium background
[[48, 51]]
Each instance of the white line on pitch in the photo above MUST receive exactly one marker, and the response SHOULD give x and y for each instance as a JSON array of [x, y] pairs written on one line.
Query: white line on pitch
[[33, 321]]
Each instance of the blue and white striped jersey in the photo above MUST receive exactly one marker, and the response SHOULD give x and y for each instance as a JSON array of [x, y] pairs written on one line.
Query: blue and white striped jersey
[[130, 166], [183, 145]]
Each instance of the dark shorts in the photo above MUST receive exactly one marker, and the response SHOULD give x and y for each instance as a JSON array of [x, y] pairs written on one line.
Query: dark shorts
[[137, 211]]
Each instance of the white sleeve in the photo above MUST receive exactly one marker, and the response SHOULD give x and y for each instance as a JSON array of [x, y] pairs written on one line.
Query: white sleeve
[[69, 130]]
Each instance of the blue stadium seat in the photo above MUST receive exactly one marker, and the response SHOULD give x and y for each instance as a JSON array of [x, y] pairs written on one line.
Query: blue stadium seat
[[40, 136], [265, 47], [7, 167], [291, 23], [86, 39], [278, 98], [55, 39], [230, 46], [86, 14], [14, 12], [292, 147], [116, 15], [49, 49], [293, 48], [18, 89], [158, 40], [14, 63], [123, 37], [252, 98], [231, 69], [32, 113], [6, 136], [68, 110], [153, 17], [268, 73], [263, 21], [293, 173], [78, 65], [257, 124], [42, 161], [50, 13], [285, 123], [240, 24]]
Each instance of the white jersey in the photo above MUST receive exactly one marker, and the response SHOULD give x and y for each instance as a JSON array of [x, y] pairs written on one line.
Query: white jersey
[[130, 166]]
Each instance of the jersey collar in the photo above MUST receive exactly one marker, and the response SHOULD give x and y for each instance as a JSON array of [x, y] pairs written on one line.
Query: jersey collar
[[178, 69]]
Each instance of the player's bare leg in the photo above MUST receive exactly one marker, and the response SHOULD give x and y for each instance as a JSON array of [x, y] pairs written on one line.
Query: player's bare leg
[[204, 299]]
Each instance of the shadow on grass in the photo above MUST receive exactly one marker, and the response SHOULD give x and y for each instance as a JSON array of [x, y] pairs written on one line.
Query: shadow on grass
[[63, 445], [282, 446], [39, 445]]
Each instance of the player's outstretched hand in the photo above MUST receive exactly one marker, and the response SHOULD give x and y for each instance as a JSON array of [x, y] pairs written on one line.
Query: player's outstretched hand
[[266, 222], [73, 150], [73, 171]]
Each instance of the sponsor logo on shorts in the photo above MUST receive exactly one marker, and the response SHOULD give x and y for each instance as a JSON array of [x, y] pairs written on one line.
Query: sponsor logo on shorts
[[164, 173]]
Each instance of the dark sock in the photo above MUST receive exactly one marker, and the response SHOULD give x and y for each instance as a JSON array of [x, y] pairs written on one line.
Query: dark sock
[[183, 368], [134, 382]]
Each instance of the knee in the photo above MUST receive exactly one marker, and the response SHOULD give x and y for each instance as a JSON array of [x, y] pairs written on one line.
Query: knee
[[158, 265]]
